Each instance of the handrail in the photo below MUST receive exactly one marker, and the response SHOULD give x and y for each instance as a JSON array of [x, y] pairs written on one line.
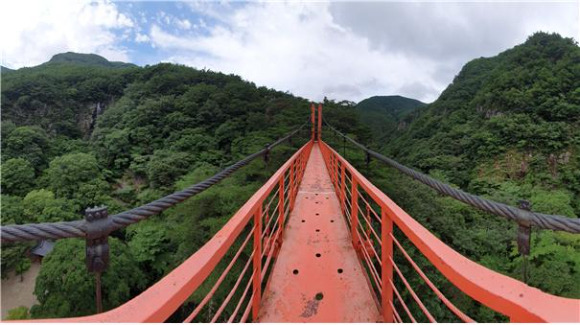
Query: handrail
[[160, 301], [522, 217], [263, 218], [501, 293]]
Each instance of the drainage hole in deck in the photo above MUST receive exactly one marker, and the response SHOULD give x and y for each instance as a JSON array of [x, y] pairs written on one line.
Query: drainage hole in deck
[[317, 230], [319, 296], [296, 271], [318, 255], [339, 270]]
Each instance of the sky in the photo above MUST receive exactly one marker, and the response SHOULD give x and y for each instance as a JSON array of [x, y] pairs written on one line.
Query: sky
[[344, 50]]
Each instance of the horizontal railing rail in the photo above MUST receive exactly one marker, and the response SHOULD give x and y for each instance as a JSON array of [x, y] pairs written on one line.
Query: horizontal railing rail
[[374, 219], [523, 217], [259, 223]]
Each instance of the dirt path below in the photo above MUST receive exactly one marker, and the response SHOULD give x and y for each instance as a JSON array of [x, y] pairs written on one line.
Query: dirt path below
[[16, 293]]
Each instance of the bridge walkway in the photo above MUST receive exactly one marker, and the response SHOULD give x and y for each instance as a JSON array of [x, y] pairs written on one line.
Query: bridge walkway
[[317, 276]]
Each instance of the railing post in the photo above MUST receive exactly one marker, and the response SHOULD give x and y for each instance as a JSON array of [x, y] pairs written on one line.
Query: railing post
[[292, 193], [281, 202], [97, 247], [257, 277], [354, 213], [302, 164], [297, 173], [343, 188], [313, 120], [331, 168], [336, 178], [319, 122], [387, 267], [299, 170]]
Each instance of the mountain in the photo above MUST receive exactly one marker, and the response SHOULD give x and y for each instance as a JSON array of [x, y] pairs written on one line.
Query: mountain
[[124, 137], [87, 60], [510, 116], [507, 128], [64, 95], [4, 69], [386, 114]]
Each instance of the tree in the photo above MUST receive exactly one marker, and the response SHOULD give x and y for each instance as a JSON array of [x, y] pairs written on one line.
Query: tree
[[17, 176], [42, 206], [65, 288], [12, 210], [150, 245], [28, 142], [114, 147], [165, 166], [77, 176], [15, 258]]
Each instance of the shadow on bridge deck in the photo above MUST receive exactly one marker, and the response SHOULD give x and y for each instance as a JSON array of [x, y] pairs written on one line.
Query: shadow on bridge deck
[[317, 276]]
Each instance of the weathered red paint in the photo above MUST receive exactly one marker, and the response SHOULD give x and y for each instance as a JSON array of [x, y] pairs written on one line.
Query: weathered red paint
[[291, 297], [321, 188], [501, 293], [159, 301]]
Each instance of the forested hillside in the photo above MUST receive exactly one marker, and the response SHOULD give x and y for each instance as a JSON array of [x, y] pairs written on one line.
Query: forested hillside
[[78, 132], [387, 115], [507, 128]]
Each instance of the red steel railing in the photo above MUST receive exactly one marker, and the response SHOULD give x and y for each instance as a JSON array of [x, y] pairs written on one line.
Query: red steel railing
[[373, 217], [261, 221]]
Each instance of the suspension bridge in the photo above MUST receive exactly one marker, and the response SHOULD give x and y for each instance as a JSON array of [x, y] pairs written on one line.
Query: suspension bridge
[[318, 242]]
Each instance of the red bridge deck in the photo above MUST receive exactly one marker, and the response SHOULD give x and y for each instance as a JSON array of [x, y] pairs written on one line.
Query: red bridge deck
[[318, 277]]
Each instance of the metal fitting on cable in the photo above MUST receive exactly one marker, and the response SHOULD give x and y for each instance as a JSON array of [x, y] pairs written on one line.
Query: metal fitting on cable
[[267, 154], [98, 227], [524, 230]]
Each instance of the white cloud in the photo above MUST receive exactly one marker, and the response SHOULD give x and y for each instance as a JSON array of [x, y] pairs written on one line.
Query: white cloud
[[141, 38], [344, 50], [183, 23], [32, 31], [355, 50], [453, 33], [296, 47], [351, 50]]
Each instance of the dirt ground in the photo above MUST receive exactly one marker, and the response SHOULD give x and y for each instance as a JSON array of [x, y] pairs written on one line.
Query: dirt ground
[[16, 293]]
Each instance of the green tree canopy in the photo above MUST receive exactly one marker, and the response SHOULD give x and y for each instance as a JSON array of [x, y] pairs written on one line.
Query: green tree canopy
[[27, 142], [42, 206], [65, 288], [17, 176], [77, 176]]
